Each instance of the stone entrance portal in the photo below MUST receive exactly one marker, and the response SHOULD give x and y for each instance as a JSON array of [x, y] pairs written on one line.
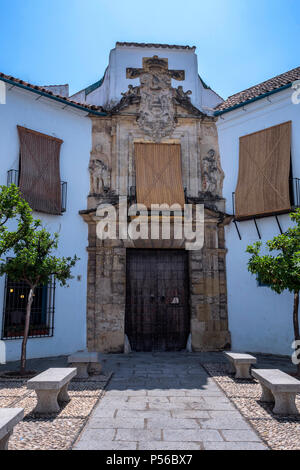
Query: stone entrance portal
[[157, 314], [114, 267], [155, 145]]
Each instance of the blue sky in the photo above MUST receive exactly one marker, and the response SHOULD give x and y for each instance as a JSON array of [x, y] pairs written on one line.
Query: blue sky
[[239, 42]]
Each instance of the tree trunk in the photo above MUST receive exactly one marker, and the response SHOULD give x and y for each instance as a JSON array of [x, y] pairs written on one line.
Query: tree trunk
[[296, 323], [26, 330]]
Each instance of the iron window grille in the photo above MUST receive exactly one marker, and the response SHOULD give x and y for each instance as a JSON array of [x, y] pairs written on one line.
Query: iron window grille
[[14, 311], [13, 178]]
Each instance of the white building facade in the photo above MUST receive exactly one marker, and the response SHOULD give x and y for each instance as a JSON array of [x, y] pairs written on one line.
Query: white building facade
[[100, 133], [63, 331], [259, 319]]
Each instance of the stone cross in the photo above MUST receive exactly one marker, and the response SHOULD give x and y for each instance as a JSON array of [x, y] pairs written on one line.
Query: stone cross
[[155, 65]]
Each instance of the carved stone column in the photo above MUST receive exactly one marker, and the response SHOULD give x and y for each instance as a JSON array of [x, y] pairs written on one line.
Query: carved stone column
[[105, 292]]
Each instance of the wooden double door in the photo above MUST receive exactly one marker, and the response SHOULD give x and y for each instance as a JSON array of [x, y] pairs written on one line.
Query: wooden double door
[[157, 300]]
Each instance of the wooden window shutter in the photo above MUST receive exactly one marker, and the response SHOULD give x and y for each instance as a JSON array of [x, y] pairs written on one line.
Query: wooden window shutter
[[39, 170], [158, 174], [264, 170]]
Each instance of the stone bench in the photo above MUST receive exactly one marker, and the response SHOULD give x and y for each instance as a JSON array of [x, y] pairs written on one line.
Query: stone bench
[[51, 388], [240, 364], [83, 360], [279, 387], [9, 417]]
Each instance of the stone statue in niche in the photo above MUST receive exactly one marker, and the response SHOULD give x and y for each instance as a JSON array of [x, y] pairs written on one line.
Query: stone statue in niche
[[211, 174], [99, 177]]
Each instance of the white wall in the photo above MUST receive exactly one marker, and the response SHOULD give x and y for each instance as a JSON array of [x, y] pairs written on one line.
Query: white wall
[[121, 57], [259, 319], [74, 128]]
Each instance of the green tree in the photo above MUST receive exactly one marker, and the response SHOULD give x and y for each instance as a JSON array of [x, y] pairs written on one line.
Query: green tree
[[281, 270], [32, 247], [13, 206]]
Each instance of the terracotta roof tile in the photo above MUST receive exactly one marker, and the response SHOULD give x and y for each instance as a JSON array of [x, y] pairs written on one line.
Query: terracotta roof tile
[[260, 89], [17, 81], [153, 45]]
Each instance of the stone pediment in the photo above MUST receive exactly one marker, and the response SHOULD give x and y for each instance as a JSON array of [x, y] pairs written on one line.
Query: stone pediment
[[133, 97], [182, 99], [130, 97]]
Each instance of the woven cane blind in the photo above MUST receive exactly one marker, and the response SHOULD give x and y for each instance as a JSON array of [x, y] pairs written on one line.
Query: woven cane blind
[[158, 174], [39, 170], [264, 169]]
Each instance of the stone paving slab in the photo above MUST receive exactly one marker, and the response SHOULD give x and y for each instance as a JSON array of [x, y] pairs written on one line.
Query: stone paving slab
[[121, 413], [240, 435], [165, 402], [172, 423], [233, 446], [116, 423], [191, 435], [137, 435], [154, 445]]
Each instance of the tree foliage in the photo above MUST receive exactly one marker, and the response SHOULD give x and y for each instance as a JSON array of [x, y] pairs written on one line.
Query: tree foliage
[[33, 261], [13, 206], [31, 247], [280, 270]]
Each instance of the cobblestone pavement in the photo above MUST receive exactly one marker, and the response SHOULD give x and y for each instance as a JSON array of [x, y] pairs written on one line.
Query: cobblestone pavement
[[160, 401]]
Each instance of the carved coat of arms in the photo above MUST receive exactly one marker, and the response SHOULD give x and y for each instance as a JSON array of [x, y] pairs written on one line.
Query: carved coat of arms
[[157, 109]]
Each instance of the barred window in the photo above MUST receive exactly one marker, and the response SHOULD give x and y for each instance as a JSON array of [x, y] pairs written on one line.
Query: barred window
[[42, 310]]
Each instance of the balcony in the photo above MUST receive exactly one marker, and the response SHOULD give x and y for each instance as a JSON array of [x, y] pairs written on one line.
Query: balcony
[[295, 192], [13, 178], [294, 195], [294, 201]]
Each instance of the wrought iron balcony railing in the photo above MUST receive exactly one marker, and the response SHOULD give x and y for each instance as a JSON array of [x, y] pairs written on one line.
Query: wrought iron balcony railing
[[13, 178], [295, 192]]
